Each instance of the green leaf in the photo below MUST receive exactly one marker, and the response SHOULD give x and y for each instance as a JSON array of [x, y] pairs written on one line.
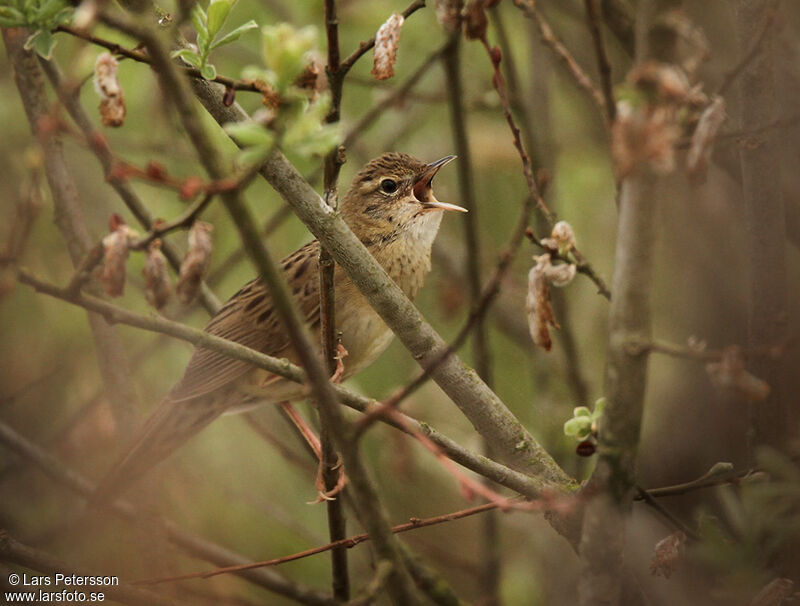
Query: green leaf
[[11, 17], [42, 42], [600, 405], [235, 34], [48, 10], [218, 11], [199, 20], [578, 427], [208, 71], [250, 133], [188, 55], [253, 155], [581, 411]]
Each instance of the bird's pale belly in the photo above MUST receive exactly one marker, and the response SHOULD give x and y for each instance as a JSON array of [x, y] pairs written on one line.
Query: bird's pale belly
[[364, 335]]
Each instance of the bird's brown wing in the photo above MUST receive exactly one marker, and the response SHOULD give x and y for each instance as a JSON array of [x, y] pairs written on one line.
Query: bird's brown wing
[[249, 318]]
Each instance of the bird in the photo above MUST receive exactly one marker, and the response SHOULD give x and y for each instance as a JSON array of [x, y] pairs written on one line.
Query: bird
[[391, 208]]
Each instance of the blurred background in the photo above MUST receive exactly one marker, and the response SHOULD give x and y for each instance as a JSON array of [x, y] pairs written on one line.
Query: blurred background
[[245, 481]]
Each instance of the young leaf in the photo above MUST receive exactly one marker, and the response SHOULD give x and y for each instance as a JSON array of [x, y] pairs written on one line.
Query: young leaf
[[235, 34], [11, 17], [578, 427], [249, 133], [188, 55], [42, 42], [208, 71], [199, 20], [217, 13]]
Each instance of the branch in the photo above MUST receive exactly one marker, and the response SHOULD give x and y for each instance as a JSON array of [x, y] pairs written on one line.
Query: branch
[[487, 413], [347, 543], [613, 481], [329, 460], [193, 545], [143, 57], [603, 64], [580, 77], [531, 487]]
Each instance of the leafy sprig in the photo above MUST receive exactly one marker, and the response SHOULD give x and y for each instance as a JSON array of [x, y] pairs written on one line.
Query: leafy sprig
[[208, 25], [42, 16]]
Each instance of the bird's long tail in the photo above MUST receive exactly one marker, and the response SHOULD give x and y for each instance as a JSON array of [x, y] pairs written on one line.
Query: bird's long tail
[[169, 427]]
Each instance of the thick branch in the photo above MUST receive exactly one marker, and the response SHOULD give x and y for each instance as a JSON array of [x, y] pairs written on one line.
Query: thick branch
[[485, 410], [613, 482]]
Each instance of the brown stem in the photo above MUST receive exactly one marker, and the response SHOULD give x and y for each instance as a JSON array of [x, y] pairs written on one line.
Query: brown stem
[[400, 586], [562, 52], [603, 64], [347, 543], [142, 57], [489, 580], [613, 482]]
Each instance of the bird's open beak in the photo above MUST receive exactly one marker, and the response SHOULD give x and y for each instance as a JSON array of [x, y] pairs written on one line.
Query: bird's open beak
[[423, 189]]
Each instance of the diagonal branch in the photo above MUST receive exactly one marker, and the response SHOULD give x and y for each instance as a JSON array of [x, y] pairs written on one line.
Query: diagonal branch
[[528, 486], [485, 410]]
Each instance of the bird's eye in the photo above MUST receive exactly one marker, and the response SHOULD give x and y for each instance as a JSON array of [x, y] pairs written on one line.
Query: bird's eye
[[388, 186]]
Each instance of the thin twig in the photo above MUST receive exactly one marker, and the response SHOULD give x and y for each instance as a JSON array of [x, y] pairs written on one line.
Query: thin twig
[[347, 543], [603, 64], [528, 486], [579, 76], [666, 513], [330, 463], [490, 547], [142, 57]]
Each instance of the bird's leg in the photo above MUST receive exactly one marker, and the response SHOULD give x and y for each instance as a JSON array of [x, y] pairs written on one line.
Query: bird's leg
[[341, 354], [312, 440], [308, 434]]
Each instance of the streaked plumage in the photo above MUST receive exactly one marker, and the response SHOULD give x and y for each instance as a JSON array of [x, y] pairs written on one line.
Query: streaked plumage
[[398, 227]]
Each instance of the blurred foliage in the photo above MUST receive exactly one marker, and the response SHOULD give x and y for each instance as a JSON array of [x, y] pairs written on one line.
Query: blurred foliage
[[229, 484]]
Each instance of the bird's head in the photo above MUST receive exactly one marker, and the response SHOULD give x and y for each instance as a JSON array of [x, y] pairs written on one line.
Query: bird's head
[[393, 195]]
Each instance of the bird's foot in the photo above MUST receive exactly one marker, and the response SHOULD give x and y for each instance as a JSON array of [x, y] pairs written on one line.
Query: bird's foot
[[329, 494], [341, 354]]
